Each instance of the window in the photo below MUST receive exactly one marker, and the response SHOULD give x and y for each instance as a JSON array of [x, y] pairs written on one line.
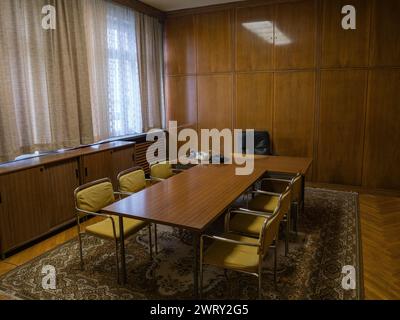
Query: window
[[124, 105]]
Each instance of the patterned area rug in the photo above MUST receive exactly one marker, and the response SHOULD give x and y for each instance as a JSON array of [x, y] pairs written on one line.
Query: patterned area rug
[[329, 239]]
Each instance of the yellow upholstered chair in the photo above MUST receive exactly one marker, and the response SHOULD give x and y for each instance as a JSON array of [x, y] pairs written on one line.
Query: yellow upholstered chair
[[263, 202], [242, 253], [162, 170], [279, 185], [131, 181], [159, 172], [89, 200]]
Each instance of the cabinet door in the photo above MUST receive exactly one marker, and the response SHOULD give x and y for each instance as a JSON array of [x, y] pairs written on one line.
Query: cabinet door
[[97, 166], [122, 159], [22, 216], [61, 179], [4, 221]]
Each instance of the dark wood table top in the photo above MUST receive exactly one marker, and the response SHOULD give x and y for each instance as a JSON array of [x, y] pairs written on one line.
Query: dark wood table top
[[194, 198]]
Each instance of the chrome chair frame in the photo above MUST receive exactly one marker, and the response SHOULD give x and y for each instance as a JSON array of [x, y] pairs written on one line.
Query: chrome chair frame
[[155, 179], [285, 220], [86, 213], [261, 214], [79, 212], [126, 194], [296, 205], [261, 250]]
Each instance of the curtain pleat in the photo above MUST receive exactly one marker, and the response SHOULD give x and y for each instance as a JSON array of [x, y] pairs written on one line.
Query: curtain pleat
[[149, 35], [97, 75]]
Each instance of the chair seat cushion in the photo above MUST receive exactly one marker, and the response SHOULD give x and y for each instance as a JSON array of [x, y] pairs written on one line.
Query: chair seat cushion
[[263, 202], [247, 224], [104, 228], [233, 256]]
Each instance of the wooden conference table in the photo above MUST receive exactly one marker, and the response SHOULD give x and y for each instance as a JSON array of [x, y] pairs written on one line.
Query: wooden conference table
[[195, 198]]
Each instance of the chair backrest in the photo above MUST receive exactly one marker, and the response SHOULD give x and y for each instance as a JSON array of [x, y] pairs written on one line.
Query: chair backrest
[[297, 187], [161, 170], [131, 180], [95, 195], [262, 143], [271, 225]]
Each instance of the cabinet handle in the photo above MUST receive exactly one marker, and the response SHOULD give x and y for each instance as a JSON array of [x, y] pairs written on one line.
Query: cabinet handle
[[1, 200], [77, 173], [86, 172]]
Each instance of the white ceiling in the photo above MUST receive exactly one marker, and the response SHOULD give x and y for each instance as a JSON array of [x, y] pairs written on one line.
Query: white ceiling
[[170, 5]]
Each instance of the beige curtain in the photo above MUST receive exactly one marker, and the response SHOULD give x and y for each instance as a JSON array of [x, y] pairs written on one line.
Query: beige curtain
[[44, 91], [58, 88], [95, 18], [150, 57]]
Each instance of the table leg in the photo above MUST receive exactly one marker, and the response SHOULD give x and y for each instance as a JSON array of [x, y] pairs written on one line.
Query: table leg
[[303, 188], [196, 265], [122, 251]]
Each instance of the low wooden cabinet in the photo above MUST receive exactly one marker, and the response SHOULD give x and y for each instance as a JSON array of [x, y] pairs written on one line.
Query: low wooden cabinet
[[37, 195], [21, 215], [96, 166], [61, 179], [107, 164]]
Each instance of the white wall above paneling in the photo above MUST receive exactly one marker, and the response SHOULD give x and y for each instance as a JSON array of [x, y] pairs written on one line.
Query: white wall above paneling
[[170, 5]]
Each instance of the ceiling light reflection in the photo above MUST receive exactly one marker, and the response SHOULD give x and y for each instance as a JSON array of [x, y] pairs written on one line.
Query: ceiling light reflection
[[265, 30]]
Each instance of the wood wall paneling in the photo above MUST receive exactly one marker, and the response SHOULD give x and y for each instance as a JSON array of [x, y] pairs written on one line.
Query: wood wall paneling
[[295, 35], [341, 127], [214, 42], [215, 101], [254, 104], [180, 53], [181, 143], [254, 38], [181, 99], [382, 140], [386, 33], [319, 73], [341, 47], [215, 97], [294, 113]]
